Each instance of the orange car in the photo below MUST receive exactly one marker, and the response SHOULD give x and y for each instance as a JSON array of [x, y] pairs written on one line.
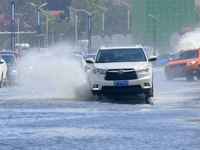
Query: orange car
[[186, 63]]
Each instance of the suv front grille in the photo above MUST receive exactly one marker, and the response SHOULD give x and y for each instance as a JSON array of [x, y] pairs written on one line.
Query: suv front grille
[[121, 74]]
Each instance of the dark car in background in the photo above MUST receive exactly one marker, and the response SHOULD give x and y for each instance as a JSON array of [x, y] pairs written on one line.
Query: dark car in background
[[163, 59], [90, 55], [15, 53]]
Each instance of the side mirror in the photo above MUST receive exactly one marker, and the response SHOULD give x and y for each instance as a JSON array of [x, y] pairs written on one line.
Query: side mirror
[[90, 60], [1, 61], [152, 58]]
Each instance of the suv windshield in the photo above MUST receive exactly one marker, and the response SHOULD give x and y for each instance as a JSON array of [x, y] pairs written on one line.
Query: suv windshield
[[186, 55], [120, 55]]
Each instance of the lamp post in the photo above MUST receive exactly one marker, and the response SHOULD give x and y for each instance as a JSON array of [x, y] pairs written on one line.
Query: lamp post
[[128, 13], [18, 24], [52, 31], [103, 15], [89, 28], [12, 26], [154, 33], [38, 22], [47, 31], [76, 24]]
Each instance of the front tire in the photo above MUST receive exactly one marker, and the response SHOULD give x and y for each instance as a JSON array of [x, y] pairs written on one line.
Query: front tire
[[1, 82], [147, 100], [189, 77], [148, 95], [5, 82], [198, 73]]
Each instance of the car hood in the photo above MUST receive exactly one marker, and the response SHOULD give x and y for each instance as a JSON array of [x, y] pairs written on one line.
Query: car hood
[[174, 62], [121, 65]]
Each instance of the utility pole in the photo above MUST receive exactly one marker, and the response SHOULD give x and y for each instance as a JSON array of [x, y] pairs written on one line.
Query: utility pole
[[103, 10], [128, 13], [12, 26], [89, 28], [38, 22], [154, 34]]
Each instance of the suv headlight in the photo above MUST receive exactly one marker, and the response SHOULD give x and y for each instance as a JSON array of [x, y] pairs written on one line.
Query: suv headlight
[[143, 70], [190, 63], [99, 71]]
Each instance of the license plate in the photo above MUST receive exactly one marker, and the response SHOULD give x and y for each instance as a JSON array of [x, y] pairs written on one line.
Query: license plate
[[121, 83], [177, 71]]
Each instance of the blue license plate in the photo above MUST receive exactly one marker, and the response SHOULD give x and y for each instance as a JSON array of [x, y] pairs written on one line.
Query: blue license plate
[[121, 83], [177, 71]]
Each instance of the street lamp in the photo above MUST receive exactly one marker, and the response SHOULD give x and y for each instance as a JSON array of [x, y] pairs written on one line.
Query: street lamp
[[47, 31], [89, 28], [38, 22], [18, 24], [52, 31], [12, 26], [103, 15], [154, 33], [76, 24], [128, 12]]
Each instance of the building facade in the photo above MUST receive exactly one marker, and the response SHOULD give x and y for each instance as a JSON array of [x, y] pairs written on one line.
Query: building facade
[[172, 16]]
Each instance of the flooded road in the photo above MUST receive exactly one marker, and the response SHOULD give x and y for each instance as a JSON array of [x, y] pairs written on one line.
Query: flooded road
[[35, 118]]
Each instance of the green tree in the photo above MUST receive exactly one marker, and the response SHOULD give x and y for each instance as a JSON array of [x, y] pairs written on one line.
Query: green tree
[[25, 12], [115, 16]]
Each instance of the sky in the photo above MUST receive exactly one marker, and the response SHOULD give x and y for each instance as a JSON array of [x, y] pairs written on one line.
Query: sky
[[57, 4]]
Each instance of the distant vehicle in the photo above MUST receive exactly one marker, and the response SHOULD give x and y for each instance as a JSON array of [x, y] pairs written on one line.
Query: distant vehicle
[[15, 53], [150, 51], [3, 72], [12, 73], [163, 59], [90, 55], [122, 71], [22, 46], [81, 61], [186, 63]]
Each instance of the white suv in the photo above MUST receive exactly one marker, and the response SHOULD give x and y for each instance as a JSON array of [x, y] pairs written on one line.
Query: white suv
[[3, 72], [121, 71]]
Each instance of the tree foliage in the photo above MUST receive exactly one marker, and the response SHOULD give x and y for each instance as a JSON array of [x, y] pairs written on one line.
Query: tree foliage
[[116, 16]]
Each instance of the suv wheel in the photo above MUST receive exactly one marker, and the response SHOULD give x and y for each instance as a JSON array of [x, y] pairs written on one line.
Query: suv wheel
[[189, 77], [148, 95], [147, 100], [198, 73], [1, 82], [5, 83]]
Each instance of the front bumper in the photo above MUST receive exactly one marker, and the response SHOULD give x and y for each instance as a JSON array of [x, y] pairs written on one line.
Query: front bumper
[[137, 86], [180, 72]]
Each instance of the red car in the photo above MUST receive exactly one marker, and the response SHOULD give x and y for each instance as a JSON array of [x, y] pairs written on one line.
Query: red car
[[15, 53], [186, 63]]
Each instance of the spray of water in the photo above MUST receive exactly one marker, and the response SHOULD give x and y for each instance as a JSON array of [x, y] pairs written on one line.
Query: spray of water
[[53, 74], [190, 40]]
